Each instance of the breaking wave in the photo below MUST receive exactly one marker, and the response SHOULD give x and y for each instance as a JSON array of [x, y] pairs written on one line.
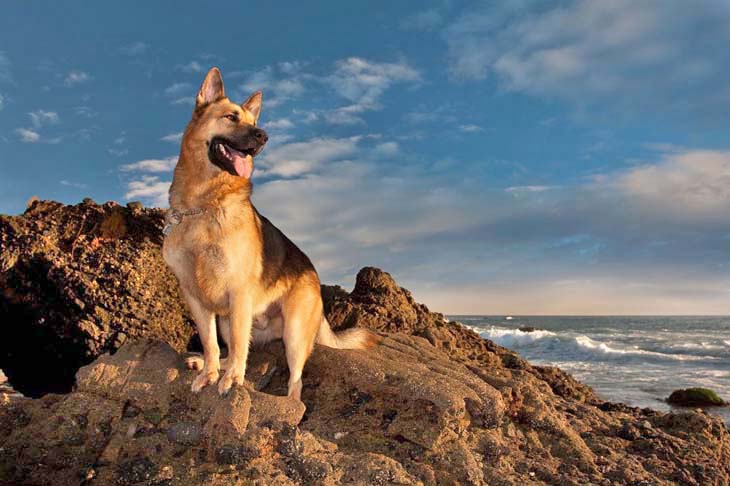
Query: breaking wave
[[561, 346]]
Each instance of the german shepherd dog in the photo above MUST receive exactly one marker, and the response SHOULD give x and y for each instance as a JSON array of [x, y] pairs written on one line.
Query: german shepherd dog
[[231, 262]]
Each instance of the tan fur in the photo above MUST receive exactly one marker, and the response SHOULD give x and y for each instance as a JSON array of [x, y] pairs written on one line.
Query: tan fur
[[223, 264]]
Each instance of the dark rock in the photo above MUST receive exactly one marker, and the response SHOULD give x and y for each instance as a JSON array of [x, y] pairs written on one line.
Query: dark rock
[[229, 455], [696, 397], [135, 206], [529, 329], [629, 432], [77, 282], [185, 433], [137, 470]]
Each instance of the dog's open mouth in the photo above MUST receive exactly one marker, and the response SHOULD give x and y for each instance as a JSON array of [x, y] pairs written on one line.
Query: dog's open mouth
[[233, 159]]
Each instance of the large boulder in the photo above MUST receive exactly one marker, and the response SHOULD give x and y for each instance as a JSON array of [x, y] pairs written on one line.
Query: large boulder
[[77, 282], [696, 397]]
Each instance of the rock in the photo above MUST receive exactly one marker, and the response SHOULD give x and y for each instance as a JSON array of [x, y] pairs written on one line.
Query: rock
[[696, 397], [185, 433], [377, 302], [629, 432], [433, 404], [77, 282], [403, 412], [135, 206]]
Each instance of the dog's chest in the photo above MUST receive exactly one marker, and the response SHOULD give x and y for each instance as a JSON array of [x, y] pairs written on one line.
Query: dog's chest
[[205, 270]]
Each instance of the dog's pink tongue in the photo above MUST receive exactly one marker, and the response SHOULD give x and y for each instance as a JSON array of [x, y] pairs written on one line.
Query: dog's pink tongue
[[242, 164]]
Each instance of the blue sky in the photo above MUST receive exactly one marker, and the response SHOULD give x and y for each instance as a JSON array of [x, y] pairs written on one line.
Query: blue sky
[[534, 157]]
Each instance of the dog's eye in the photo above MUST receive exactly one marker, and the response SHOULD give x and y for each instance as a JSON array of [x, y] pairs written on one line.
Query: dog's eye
[[233, 117]]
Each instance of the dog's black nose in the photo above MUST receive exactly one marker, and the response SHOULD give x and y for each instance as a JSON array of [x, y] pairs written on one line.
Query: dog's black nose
[[260, 135]]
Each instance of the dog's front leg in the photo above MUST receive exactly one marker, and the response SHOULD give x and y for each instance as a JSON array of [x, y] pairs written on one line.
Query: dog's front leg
[[205, 322], [241, 321]]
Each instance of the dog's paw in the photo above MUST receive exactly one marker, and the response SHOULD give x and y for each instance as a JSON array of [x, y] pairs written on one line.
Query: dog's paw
[[233, 376], [204, 379], [194, 363]]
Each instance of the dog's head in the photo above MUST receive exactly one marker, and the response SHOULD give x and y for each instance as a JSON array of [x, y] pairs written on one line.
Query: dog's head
[[222, 134]]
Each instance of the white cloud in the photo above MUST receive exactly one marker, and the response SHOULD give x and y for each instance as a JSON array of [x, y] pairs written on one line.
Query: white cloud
[[84, 133], [85, 111], [471, 128], [309, 117], [40, 117], [149, 188], [176, 89], [173, 137], [386, 149], [27, 135], [76, 77], [641, 55], [77, 185], [432, 114], [522, 189], [2, 102], [181, 93], [192, 67], [655, 228], [135, 49], [151, 165], [690, 186], [346, 115], [348, 213], [280, 83], [279, 124], [183, 100], [363, 81], [298, 158]]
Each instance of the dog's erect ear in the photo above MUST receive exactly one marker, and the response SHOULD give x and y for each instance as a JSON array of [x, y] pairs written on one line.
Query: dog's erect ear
[[253, 105], [211, 89]]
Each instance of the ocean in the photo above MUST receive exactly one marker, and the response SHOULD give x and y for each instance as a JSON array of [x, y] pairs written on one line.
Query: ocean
[[635, 360]]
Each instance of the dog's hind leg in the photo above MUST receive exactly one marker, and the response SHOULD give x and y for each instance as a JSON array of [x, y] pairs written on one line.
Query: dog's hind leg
[[302, 312], [274, 330]]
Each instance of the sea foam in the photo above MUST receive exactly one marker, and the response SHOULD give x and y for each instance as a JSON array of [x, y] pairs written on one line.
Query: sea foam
[[562, 345]]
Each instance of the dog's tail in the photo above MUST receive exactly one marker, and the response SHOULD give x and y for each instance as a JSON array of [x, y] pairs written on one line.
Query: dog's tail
[[354, 338]]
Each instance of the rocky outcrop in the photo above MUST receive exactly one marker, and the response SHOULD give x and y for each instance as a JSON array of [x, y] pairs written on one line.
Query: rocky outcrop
[[401, 413], [377, 302], [432, 404], [696, 397], [77, 282]]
